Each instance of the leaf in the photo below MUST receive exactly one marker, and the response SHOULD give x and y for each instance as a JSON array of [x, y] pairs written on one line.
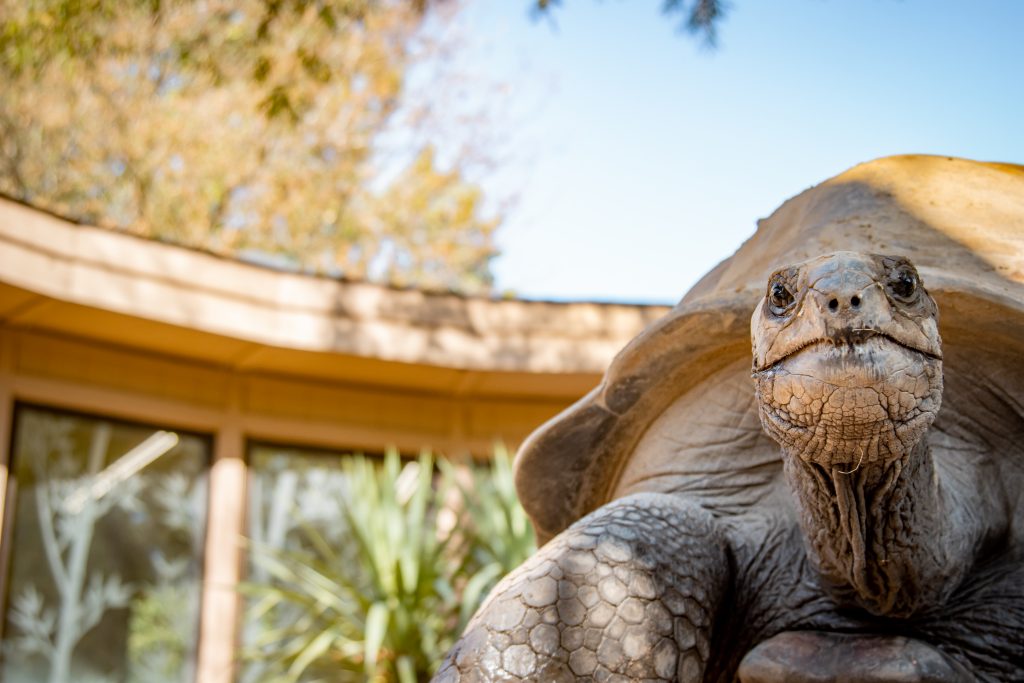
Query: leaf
[[406, 669], [314, 649], [475, 589], [376, 630]]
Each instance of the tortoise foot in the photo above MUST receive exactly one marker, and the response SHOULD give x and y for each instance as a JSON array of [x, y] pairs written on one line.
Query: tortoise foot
[[821, 657]]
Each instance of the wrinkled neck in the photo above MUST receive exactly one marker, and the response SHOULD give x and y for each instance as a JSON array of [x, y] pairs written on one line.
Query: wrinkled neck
[[877, 533]]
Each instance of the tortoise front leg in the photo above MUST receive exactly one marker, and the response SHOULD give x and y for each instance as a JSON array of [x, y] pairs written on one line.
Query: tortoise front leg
[[626, 593]]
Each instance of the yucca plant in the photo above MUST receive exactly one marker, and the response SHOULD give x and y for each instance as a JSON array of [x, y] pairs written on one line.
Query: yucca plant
[[386, 604], [498, 535]]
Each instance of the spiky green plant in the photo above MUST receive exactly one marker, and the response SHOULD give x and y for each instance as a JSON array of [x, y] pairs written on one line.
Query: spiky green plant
[[498, 535], [387, 606]]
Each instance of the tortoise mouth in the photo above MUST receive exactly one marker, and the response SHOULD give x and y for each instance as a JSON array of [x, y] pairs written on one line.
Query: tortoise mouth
[[850, 345], [849, 401]]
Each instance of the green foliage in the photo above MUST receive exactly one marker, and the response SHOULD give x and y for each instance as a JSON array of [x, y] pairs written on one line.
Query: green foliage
[[258, 127], [425, 546], [159, 617], [500, 534]]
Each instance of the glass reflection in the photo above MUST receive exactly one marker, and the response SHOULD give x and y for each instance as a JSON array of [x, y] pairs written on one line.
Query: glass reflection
[[105, 572], [292, 492]]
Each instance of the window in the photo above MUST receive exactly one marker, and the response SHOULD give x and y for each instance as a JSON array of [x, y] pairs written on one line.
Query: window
[[295, 495], [290, 488], [106, 560]]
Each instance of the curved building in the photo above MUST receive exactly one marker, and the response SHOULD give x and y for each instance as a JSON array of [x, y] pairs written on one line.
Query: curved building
[[143, 385]]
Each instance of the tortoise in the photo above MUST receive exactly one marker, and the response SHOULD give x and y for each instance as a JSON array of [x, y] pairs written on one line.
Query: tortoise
[[847, 506]]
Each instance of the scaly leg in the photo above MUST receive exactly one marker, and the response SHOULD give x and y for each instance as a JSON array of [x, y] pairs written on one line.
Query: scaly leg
[[627, 593]]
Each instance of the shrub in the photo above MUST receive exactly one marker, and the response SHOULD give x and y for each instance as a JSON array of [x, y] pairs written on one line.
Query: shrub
[[424, 546]]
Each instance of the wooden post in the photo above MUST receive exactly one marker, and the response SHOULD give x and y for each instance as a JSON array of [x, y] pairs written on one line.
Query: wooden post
[[6, 447], [219, 620]]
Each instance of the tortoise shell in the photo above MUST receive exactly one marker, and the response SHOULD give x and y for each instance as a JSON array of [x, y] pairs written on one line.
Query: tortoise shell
[[660, 419]]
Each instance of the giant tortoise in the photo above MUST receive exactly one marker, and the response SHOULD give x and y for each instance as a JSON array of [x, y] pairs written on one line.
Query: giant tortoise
[[845, 507]]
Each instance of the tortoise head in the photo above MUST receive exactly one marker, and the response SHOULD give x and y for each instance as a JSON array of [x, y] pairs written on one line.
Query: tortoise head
[[847, 359]]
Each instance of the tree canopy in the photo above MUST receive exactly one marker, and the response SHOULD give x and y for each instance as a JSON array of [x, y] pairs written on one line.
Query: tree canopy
[[242, 127]]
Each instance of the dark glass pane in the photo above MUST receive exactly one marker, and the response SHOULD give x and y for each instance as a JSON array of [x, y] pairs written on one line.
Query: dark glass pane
[[109, 523]]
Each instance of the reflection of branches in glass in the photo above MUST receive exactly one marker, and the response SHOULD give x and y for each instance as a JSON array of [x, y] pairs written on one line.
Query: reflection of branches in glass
[[66, 536], [72, 495], [289, 492], [163, 622], [271, 527]]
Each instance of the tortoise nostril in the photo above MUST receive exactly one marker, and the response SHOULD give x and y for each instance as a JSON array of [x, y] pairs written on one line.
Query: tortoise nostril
[[855, 301], [833, 304]]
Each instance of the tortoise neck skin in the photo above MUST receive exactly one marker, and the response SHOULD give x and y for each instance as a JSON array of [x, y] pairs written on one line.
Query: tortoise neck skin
[[848, 375], [880, 537]]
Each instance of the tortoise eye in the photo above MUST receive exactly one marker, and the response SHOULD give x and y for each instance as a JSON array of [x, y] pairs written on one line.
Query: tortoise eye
[[903, 283], [780, 299]]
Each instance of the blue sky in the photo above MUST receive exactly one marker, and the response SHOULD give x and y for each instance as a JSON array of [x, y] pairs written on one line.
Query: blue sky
[[639, 159]]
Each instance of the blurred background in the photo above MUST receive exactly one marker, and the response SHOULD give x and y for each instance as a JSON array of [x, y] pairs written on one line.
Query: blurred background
[[284, 282], [577, 150]]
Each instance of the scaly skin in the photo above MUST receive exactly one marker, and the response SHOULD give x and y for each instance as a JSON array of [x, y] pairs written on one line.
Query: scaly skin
[[606, 600]]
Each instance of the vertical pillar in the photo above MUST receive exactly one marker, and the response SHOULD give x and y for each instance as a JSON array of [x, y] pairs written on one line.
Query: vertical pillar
[[219, 620], [6, 412], [6, 416]]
